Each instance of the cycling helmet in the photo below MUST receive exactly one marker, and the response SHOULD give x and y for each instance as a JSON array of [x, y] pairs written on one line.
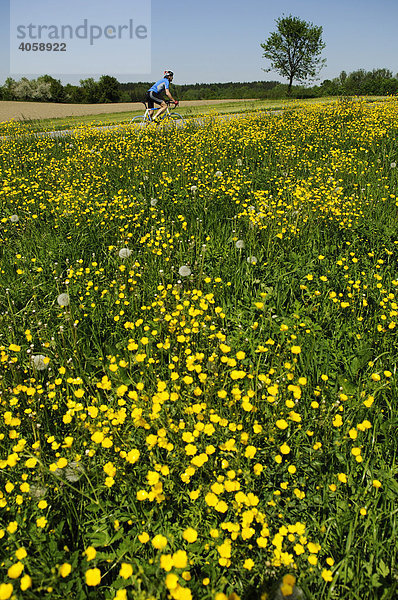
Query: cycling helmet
[[168, 74]]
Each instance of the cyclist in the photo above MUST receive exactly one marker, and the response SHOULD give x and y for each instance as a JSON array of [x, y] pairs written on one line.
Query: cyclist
[[153, 95]]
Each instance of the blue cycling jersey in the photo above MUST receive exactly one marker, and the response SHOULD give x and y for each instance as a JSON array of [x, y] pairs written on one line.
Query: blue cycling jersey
[[159, 86]]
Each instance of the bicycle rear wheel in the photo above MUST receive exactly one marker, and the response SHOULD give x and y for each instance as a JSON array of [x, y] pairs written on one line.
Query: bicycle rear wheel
[[140, 120], [176, 116], [177, 119]]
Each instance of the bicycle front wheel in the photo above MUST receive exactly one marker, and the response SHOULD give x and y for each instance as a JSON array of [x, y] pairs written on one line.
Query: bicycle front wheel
[[177, 119]]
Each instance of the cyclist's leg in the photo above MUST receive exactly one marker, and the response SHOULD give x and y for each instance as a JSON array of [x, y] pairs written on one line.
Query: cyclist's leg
[[150, 103], [152, 99], [159, 111]]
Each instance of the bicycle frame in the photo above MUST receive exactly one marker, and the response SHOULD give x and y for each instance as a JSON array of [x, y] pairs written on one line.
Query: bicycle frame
[[146, 117], [166, 112]]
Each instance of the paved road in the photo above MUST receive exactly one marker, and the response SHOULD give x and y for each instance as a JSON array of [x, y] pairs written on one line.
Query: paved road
[[71, 132], [109, 128]]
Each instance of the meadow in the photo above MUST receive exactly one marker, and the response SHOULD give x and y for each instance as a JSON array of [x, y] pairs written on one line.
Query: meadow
[[198, 359]]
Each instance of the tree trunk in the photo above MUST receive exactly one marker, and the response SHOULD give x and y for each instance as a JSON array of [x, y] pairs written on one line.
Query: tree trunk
[[289, 89]]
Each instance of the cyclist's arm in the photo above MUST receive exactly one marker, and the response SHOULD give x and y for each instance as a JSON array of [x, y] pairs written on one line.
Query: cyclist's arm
[[170, 96]]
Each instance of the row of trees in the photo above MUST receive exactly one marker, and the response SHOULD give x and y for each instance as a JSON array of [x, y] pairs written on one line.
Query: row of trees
[[206, 91], [107, 89], [48, 89], [379, 82]]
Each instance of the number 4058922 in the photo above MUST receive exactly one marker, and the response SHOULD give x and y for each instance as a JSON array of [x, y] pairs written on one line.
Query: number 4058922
[[42, 47]]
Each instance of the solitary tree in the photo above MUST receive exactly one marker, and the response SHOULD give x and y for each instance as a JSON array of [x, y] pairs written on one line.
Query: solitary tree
[[294, 49]]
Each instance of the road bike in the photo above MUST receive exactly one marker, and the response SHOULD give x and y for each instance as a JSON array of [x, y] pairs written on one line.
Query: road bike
[[169, 117]]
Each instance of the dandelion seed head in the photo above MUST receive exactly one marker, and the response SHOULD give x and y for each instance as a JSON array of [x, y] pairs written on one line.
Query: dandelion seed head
[[37, 491], [14, 218], [63, 300], [154, 201], [252, 260], [184, 271], [73, 471], [39, 362], [240, 244], [124, 253]]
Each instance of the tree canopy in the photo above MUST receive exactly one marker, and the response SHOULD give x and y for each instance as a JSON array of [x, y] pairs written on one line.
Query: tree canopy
[[294, 49]]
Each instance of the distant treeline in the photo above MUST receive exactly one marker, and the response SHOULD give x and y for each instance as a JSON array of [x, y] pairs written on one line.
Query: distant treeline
[[379, 82]]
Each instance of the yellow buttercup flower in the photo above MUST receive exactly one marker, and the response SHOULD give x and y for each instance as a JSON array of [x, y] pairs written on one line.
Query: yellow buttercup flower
[[295, 349], [180, 559], [6, 590], [93, 577], [65, 569], [190, 534], [25, 582], [90, 553], [159, 542], [171, 581], [284, 449], [15, 570], [126, 570]]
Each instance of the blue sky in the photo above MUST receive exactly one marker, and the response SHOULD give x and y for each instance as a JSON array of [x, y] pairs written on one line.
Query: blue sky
[[218, 41]]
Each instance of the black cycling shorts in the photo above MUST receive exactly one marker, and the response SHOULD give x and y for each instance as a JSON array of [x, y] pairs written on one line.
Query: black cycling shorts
[[153, 98]]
